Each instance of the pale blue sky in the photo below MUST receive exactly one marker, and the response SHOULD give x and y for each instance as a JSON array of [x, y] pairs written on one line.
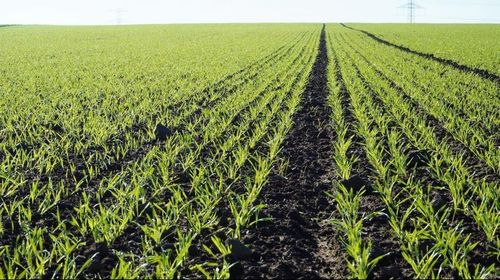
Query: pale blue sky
[[200, 11]]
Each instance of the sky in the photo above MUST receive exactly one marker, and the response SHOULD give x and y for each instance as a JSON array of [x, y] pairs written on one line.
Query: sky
[[99, 12]]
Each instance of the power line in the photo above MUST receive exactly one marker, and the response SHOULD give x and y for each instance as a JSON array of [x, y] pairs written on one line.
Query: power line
[[485, 20], [468, 3]]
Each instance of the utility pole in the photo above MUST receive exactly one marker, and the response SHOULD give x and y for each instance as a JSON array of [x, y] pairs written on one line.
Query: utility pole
[[411, 6], [411, 10]]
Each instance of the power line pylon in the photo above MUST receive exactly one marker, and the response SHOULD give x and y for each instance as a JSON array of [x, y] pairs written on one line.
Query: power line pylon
[[118, 15], [411, 6]]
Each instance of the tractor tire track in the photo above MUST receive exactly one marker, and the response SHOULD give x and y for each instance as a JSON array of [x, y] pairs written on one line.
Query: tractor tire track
[[295, 244]]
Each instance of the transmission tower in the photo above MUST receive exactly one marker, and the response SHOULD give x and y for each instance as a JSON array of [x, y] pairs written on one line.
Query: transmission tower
[[411, 6], [118, 15]]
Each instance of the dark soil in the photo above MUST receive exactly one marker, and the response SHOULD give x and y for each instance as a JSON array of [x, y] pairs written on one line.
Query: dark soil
[[480, 72], [297, 243]]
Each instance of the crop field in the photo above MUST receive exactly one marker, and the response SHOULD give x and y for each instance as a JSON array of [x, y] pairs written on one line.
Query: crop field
[[250, 151], [474, 45]]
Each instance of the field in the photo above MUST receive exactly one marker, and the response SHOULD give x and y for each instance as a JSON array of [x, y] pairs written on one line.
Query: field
[[470, 44], [243, 151]]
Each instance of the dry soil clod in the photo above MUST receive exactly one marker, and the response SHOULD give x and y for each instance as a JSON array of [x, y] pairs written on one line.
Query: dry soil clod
[[354, 182], [162, 132]]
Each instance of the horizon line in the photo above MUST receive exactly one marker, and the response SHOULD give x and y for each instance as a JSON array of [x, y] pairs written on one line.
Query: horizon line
[[257, 22]]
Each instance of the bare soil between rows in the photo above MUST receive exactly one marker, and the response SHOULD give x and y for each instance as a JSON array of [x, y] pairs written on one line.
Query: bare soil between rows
[[298, 242]]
